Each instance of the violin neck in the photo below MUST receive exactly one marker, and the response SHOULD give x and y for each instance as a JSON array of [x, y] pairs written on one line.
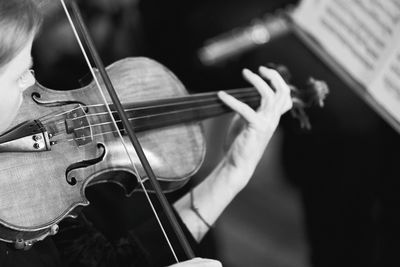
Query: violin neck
[[161, 113]]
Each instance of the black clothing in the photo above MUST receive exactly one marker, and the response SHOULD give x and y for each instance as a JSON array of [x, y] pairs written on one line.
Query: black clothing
[[43, 254]]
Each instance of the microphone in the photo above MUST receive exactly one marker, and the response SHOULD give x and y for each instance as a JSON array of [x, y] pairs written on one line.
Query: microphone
[[240, 40]]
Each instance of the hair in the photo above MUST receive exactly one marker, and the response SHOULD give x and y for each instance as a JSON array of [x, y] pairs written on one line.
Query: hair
[[20, 20]]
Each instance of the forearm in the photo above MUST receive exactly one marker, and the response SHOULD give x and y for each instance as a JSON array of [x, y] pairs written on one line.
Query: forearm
[[211, 197]]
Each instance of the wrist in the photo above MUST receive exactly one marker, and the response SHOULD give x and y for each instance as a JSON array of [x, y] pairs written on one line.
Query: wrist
[[234, 176], [196, 211]]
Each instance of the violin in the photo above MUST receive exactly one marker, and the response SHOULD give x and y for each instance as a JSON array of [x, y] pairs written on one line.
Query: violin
[[64, 141]]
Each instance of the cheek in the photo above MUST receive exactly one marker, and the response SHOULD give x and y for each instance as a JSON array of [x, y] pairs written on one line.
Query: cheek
[[28, 81], [11, 101]]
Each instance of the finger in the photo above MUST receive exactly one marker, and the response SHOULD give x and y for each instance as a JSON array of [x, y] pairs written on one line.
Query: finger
[[241, 108], [198, 262], [207, 262], [266, 92], [283, 100]]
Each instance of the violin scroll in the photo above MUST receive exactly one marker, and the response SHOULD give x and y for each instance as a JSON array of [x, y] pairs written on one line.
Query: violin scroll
[[313, 94]]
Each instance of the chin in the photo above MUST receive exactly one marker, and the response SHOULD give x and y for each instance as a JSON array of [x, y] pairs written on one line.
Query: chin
[[7, 119], [5, 123]]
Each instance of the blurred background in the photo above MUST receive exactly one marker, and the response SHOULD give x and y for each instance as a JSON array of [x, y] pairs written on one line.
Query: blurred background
[[327, 197]]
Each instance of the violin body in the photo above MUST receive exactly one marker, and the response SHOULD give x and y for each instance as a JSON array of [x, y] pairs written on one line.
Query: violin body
[[39, 189]]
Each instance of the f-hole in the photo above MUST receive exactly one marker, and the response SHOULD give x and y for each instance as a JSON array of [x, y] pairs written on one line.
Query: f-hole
[[83, 164]]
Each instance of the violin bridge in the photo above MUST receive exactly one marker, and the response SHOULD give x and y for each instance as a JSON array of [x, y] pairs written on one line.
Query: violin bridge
[[77, 123]]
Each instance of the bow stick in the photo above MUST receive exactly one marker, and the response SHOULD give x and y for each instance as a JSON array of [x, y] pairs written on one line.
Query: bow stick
[[128, 128]]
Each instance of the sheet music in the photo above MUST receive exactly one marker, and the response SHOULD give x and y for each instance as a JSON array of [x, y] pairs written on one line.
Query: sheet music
[[386, 87], [363, 36]]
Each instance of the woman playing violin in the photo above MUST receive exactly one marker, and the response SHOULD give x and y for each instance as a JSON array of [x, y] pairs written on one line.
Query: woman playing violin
[[19, 22]]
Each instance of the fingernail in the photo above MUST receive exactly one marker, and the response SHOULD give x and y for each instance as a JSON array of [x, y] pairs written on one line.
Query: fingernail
[[221, 93], [247, 71], [263, 68]]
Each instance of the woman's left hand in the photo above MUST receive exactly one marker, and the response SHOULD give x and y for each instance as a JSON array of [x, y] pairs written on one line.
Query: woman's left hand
[[252, 137], [205, 203]]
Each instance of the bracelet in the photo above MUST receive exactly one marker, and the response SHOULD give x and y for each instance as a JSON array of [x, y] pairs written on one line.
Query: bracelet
[[196, 210]]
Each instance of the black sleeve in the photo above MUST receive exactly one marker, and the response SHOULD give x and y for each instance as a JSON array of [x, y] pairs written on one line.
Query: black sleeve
[[42, 254], [151, 238], [82, 245]]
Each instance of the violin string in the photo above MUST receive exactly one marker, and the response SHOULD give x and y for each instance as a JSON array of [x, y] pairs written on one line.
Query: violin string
[[193, 101], [209, 97], [94, 135], [212, 94], [66, 112], [71, 110], [131, 119], [62, 122], [64, 140], [138, 118], [88, 106], [140, 180], [157, 114], [46, 116]]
